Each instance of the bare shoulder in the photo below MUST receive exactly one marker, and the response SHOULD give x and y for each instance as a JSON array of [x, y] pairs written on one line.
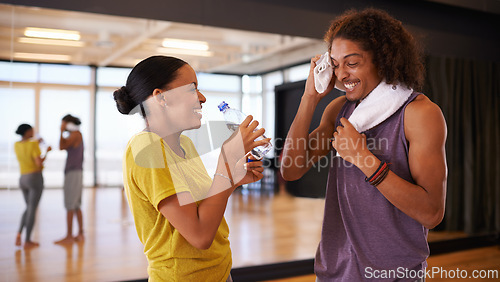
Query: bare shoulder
[[337, 103], [422, 109], [424, 117], [77, 135], [75, 138]]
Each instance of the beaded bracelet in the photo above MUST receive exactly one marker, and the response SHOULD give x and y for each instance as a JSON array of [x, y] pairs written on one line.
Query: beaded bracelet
[[222, 175]]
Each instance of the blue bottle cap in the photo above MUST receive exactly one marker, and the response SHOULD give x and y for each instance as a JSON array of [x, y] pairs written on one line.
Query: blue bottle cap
[[223, 106]]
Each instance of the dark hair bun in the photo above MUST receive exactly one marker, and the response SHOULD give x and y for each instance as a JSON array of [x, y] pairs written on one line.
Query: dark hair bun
[[124, 102], [21, 130]]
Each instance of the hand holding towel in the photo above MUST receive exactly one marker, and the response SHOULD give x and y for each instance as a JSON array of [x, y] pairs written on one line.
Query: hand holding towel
[[323, 73]]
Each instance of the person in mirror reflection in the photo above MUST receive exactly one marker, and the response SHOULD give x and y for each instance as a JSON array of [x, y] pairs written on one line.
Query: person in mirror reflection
[[73, 176], [386, 186], [30, 160], [178, 208]]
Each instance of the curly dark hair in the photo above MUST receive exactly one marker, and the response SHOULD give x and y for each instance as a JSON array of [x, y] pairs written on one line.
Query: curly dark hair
[[72, 119], [396, 54]]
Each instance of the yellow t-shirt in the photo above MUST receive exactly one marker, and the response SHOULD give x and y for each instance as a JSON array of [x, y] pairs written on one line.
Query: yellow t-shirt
[[153, 172], [26, 152]]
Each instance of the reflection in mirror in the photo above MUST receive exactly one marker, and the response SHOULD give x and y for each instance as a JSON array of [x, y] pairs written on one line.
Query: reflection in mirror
[[45, 75]]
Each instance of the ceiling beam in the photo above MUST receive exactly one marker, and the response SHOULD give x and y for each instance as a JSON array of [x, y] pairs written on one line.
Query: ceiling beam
[[153, 28], [295, 43]]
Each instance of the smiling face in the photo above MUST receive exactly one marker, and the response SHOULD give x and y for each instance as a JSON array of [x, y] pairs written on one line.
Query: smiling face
[[354, 68], [182, 101]]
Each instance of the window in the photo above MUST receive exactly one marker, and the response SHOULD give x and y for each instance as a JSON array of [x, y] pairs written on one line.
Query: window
[[113, 131], [252, 96], [270, 81], [18, 72], [251, 84], [115, 77], [54, 105], [65, 74], [17, 107], [218, 82], [297, 73]]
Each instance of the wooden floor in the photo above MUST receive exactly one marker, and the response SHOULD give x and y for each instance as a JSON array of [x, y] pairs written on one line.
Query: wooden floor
[[265, 228]]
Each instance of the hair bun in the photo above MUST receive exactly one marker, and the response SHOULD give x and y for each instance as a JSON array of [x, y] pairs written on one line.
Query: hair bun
[[21, 129], [124, 102]]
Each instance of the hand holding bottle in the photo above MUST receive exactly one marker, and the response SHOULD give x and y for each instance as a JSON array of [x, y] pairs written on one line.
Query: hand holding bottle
[[234, 118], [248, 172], [243, 140], [43, 145]]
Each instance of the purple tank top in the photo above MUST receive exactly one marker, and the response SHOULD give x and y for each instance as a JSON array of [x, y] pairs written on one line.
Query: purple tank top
[[75, 158], [363, 234]]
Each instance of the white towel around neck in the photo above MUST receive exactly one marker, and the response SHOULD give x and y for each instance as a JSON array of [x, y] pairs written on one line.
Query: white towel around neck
[[379, 105]]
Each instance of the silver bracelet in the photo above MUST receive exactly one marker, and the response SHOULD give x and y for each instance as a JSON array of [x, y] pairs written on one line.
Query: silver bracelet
[[220, 174]]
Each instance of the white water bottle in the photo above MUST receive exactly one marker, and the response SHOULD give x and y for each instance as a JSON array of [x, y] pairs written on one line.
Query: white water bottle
[[41, 143], [233, 120]]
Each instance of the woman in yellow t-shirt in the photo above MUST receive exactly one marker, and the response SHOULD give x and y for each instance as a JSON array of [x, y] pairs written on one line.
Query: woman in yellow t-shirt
[[178, 209], [31, 182]]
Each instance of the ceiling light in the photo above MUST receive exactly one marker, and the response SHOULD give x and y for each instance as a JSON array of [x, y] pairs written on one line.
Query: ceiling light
[[43, 41], [42, 57], [52, 33], [200, 53], [185, 44]]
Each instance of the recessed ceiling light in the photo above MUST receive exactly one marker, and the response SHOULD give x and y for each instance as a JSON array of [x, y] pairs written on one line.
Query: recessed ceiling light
[[176, 51], [42, 57], [185, 44], [52, 33], [44, 41]]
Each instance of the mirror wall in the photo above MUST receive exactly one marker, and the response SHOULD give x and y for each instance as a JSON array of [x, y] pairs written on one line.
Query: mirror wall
[[42, 79]]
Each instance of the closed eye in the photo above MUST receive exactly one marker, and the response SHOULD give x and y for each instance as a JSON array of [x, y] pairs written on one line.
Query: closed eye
[[193, 87]]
